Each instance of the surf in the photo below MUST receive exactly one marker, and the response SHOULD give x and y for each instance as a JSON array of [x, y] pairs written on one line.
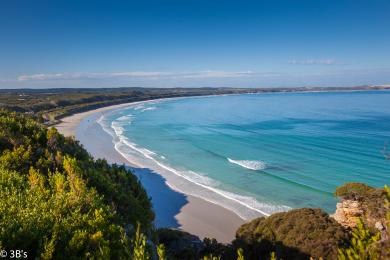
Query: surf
[[246, 207], [248, 164]]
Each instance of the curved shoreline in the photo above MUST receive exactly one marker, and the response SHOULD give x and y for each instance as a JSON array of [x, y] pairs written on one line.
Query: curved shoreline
[[183, 181], [129, 159], [196, 215]]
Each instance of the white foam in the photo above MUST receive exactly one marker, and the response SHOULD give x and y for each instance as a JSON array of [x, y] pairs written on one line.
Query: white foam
[[188, 175], [149, 108], [126, 118], [251, 165], [139, 107], [100, 121], [118, 128], [185, 181]]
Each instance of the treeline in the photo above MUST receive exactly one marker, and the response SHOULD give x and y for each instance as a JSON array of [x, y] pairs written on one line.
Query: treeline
[[57, 202], [54, 104]]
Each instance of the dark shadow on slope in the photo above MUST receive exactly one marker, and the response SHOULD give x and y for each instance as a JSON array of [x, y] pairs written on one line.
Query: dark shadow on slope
[[167, 202], [263, 249]]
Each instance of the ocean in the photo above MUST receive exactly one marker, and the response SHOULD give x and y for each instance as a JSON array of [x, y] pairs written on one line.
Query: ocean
[[257, 154]]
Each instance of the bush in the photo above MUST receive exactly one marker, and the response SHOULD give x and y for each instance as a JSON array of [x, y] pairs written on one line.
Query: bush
[[57, 217], [179, 244], [57, 201], [295, 234], [353, 190]]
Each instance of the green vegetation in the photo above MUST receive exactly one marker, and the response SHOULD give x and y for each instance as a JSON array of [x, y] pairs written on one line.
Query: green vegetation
[[57, 217], [298, 233], [161, 252], [386, 242], [353, 190], [54, 104], [179, 244], [240, 253], [368, 243], [139, 245], [364, 245], [57, 202]]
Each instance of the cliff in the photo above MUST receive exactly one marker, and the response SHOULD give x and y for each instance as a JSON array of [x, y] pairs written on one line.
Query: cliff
[[361, 202], [348, 213]]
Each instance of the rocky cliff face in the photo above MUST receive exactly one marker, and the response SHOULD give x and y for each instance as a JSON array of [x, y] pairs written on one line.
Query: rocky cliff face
[[347, 213]]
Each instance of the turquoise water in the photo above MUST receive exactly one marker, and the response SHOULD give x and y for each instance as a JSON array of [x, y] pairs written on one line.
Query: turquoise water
[[269, 152]]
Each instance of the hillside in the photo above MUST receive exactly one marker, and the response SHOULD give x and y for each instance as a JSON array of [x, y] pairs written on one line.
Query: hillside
[[56, 201]]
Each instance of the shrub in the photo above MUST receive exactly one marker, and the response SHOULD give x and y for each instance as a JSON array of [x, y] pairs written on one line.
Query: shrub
[[353, 190], [56, 201], [363, 246], [57, 217], [294, 234], [369, 243], [179, 244], [27, 143]]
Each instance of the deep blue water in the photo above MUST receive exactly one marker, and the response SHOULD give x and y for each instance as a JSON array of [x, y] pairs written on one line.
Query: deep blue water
[[277, 151]]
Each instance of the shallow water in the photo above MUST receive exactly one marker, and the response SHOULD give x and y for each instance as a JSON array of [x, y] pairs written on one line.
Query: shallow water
[[264, 152]]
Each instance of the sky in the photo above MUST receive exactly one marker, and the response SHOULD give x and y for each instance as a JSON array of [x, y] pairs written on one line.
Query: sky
[[214, 43]]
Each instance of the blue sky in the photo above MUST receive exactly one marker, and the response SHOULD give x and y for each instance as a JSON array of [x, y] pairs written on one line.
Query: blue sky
[[194, 43]]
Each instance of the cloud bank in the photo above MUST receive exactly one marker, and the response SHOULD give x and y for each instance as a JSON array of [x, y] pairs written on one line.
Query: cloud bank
[[135, 74], [313, 62], [332, 76]]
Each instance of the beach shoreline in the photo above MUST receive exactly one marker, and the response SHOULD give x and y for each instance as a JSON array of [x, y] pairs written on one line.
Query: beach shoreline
[[173, 208]]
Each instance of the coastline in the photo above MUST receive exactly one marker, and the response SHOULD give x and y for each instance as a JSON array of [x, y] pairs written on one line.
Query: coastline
[[173, 208]]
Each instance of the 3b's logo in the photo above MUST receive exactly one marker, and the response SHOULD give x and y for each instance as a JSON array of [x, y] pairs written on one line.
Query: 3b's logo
[[3, 253], [13, 254]]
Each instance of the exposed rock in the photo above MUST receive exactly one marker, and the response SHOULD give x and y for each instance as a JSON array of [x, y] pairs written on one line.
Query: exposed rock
[[382, 227], [359, 200], [348, 213], [379, 226]]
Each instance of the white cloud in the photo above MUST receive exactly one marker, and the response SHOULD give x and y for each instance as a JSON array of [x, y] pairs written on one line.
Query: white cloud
[[313, 62], [333, 76], [134, 74]]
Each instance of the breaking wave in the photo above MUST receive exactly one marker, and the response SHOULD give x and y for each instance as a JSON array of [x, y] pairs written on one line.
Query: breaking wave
[[149, 108], [251, 165], [185, 181]]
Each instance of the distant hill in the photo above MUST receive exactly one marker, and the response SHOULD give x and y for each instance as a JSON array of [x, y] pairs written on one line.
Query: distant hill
[[54, 104]]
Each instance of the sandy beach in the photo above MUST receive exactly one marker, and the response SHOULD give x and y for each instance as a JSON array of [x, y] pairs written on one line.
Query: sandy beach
[[173, 208]]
